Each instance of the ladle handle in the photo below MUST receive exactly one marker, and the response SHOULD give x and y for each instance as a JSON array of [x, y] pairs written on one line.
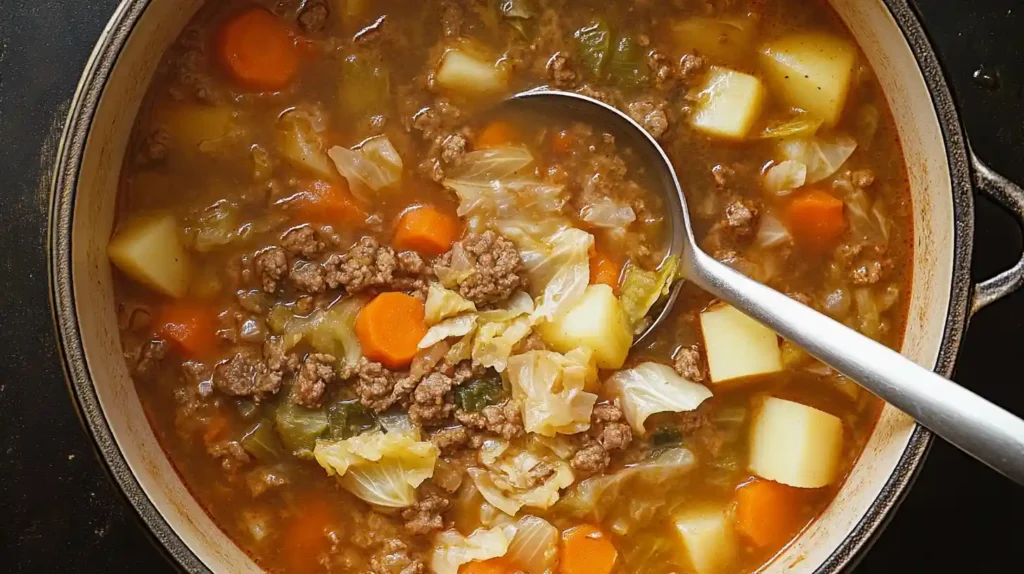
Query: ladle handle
[[978, 427]]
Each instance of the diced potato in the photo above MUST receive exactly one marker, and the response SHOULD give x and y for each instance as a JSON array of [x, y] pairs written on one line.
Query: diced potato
[[709, 539], [795, 444], [811, 71], [721, 40], [192, 125], [599, 322], [728, 104], [469, 75], [149, 250], [302, 146], [738, 346]]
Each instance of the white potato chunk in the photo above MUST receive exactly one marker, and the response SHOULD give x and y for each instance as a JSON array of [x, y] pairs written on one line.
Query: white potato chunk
[[598, 322], [149, 251], [191, 126], [728, 103], [720, 40], [738, 346], [469, 75], [709, 539], [795, 444], [811, 71]]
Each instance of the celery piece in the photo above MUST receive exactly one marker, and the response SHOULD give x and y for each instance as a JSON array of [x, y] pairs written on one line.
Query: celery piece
[[349, 418], [262, 442], [365, 86], [593, 43], [627, 65], [299, 427]]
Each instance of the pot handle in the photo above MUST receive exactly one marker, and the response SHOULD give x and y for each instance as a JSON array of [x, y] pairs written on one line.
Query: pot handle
[[1011, 197]]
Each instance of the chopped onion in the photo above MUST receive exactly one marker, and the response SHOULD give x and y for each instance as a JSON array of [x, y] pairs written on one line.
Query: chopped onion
[[606, 212], [534, 548]]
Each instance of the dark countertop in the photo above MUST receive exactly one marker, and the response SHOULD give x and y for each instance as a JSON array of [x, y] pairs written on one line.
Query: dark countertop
[[60, 513]]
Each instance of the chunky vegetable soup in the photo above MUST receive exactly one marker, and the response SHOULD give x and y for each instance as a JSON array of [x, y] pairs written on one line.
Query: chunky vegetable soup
[[380, 327]]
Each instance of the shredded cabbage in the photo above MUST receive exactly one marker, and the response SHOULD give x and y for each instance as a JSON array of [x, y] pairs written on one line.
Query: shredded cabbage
[[380, 468], [494, 341], [452, 549], [802, 125], [502, 493], [455, 327], [823, 156], [784, 177], [374, 164], [606, 212], [869, 220], [652, 388], [772, 233], [330, 331], [551, 389], [444, 303], [641, 289], [534, 549]]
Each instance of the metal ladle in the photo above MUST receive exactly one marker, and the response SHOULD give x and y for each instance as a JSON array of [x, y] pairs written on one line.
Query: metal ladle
[[978, 427]]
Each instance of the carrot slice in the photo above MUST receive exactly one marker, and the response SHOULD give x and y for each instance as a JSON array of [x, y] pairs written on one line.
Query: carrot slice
[[305, 537], [492, 566], [816, 219], [562, 141], [498, 133], [258, 50], [322, 202], [603, 270], [389, 327], [191, 328], [767, 512], [586, 550], [426, 230]]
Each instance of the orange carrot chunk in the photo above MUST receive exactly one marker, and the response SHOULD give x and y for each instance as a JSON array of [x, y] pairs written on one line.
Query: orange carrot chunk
[[562, 141], [586, 550], [426, 230], [816, 219], [258, 50], [604, 271], [306, 537], [496, 134], [492, 566], [191, 328], [767, 512], [389, 327], [322, 202]]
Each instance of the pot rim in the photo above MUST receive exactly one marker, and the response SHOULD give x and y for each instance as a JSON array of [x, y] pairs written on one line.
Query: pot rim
[[63, 305]]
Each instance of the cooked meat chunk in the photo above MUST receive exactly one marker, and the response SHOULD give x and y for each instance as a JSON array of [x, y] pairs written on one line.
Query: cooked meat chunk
[[495, 267], [432, 400], [313, 15], [150, 355], [723, 175], [245, 375], [690, 66], [271, 265], [307, 276], [688, 364], [862, 178], [426, 515], [502, 420], [231, 454], [393, 558], [592, 458], [453, 148], [374, 385], [651, 115], [741, 216], [262, 480], [316, 372], [276, 358], [868, 274], [367, 265], [155, 146], [560, 71], [606, 433], [450, 439], [302, 241], [410, 263]]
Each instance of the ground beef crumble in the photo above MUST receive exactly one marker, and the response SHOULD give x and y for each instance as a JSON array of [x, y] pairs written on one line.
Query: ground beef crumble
[[246, 375], [689, 365], [303, 241], [271, 266], [495, 267], [651, 115], [150, 354], [368, 264], [315, 373], [503, 420], [432, 400], [607, 433], [426, 515], [307, 276]]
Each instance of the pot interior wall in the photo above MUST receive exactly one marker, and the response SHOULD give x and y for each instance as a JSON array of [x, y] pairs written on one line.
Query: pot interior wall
[[94, 213]]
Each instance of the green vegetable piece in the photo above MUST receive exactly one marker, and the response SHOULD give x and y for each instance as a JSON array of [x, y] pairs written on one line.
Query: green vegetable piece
[[642, 289], [666, 436], [248, 408], [262, 442], [593, 43], [347, 419], [365, 86], [297, 426], [517, 13], [627, 65], [485, 391]]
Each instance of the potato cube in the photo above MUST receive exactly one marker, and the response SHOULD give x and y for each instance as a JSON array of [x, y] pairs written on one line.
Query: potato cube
[[709, 539], [728, 104], [148, 250], [469, 75], [738, 346], [192, 125], [598, 322], [720, 40], [811, 71], [795, 444]]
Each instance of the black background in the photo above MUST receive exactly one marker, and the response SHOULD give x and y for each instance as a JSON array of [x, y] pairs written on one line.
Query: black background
[[59, 512]]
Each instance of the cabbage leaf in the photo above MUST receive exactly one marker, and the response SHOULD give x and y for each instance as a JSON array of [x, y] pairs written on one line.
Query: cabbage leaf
[[606, 212], [494, 341], [331, 331], [551, 389], [379, 468], [652, 388], [534, 549], [784, 177], [452, 549], [373, 164], [641, 289], [455, 327], [557, 265], [822, 155], [444, 303]]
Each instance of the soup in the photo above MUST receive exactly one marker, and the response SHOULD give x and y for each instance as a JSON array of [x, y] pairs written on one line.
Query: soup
[[381, 324]]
